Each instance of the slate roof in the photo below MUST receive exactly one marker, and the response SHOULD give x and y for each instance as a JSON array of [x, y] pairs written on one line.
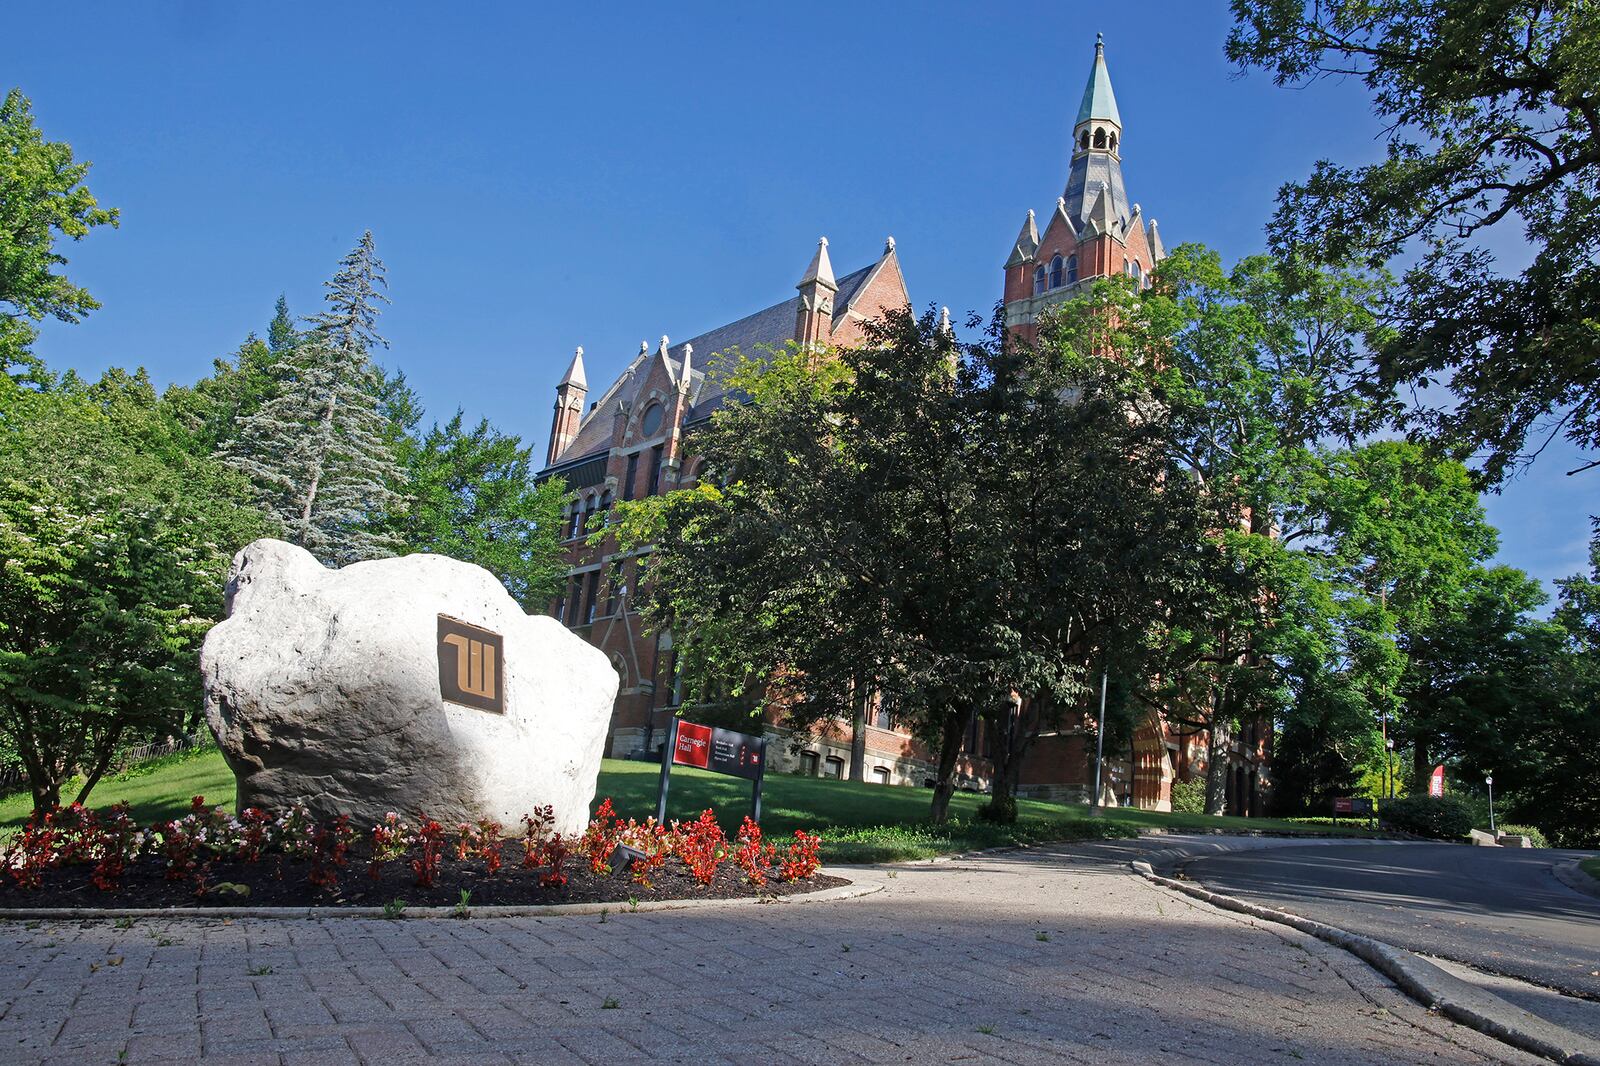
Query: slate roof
[[771, 325], [1094, 174]]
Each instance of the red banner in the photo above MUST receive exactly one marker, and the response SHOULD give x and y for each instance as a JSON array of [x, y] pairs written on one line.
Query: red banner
[[694, 745], [1436, 781]]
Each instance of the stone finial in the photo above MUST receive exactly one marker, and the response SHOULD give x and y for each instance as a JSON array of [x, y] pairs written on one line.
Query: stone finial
[[664, 345], [688, 365], [944, 321], [888, 245], [644, 347]]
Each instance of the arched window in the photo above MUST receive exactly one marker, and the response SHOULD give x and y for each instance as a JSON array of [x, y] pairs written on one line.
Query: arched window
[[1083, 142], [1055, 272], [1113, 142], [1038, 279], [577, 520], [650, 424], [1072, 270], [1100, 137], [1136, 272]]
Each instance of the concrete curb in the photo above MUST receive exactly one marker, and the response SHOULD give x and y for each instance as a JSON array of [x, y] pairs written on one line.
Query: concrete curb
[[1422, 981], [853, 890], [1572, 875]]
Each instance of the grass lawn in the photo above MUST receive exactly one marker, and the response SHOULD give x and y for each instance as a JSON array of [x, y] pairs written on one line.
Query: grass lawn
[[861, 822]]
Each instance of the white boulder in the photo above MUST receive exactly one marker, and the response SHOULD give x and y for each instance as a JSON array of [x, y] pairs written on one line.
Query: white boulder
[[328, 687]]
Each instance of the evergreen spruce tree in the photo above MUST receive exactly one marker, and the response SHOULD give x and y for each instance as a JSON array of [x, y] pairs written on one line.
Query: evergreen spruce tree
[[319, 453], [281, 334]]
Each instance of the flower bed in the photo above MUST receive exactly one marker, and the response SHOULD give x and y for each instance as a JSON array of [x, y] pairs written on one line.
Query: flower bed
[[74, 857]]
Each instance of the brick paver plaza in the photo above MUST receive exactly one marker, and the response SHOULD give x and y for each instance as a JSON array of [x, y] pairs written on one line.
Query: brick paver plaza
[[1053, 955]]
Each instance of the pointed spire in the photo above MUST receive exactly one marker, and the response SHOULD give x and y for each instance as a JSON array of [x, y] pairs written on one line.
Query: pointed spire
[[1099, 102], [1027, 243], [944, 322], [688, 366], [574, 375], [821, 269]]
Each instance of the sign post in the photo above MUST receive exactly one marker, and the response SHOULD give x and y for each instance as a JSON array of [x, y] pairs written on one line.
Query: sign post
[[721, 751]]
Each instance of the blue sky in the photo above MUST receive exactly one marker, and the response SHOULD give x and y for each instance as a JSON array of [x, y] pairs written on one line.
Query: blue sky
[[543, 176]]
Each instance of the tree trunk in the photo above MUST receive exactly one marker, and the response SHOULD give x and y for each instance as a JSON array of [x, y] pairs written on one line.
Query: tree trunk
[[1215, 786], [1007, 761], [46, 791], [102, 763], [955, 727], [860, 696]]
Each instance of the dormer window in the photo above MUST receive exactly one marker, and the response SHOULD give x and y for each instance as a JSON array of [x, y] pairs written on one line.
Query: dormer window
[[1039, 279], [1072, 270], [1055, 272]]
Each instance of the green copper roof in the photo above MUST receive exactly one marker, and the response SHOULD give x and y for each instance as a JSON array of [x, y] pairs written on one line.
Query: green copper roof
[[1098, 99]]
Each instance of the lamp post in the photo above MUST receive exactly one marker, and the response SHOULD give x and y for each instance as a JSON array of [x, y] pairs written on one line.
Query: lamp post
[[1099, 746], [1388, 769], [1488, 779]]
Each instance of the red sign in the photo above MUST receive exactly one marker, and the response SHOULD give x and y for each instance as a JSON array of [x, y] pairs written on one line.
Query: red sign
[[1436, 782], [1341, 805], [694, 745]]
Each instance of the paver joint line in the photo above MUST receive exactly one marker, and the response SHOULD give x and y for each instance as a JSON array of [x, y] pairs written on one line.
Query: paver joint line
[[1419, 979]]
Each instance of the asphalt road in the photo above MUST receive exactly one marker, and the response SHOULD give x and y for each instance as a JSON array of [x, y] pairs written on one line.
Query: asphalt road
[[1498, 909]]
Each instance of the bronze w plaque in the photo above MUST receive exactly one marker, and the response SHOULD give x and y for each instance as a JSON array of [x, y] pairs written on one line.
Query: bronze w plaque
[[471, 666]]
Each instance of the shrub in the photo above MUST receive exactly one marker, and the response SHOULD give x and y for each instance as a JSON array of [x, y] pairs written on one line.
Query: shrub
[[1189, 797], [1438, 817], [429, 841], [1535, 837], [700, 844], [1001, 810], [800, 861]]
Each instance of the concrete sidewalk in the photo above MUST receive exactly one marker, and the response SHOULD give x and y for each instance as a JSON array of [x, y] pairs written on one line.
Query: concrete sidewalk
[[1051, 955]]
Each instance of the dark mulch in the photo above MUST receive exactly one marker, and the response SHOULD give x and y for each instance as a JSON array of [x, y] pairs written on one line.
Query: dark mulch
[[276, 881]]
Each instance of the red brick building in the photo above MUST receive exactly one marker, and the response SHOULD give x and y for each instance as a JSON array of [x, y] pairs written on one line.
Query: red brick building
[[633, 440]]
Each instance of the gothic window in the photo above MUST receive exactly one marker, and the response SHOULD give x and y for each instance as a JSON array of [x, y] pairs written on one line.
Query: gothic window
[[1072, 270], [1136, 272], [594, 595], [1113, 142], [633, 471], [650, 424], [1083, 142], [1099, 138], [613, 587], [653, 485], [577, 520], [1055, 272], [1038, 279]]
